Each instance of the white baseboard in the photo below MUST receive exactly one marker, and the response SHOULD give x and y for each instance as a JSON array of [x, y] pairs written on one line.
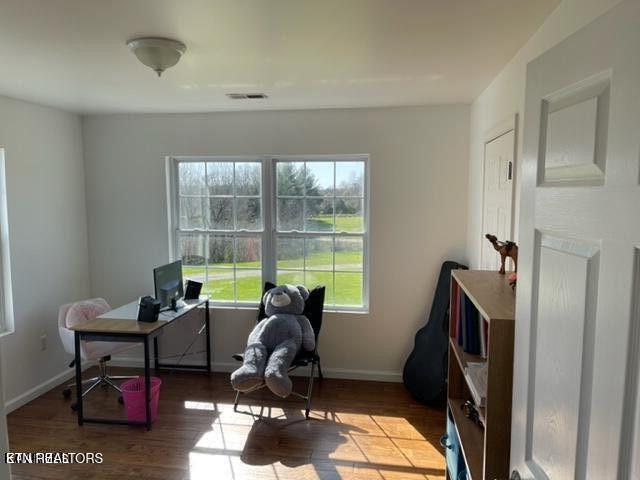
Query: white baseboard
[[342, 373], [67, 374], [35, 392], [138, 362], [371, 375]]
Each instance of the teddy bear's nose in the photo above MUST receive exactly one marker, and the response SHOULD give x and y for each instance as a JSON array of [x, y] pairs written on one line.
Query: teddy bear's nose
[[281, 300]]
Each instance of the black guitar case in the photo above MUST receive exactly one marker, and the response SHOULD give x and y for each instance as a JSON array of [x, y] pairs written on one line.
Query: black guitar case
[[425, 371]]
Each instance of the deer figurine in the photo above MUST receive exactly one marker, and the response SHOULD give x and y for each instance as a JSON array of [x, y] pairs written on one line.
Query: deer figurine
[[507, 249]]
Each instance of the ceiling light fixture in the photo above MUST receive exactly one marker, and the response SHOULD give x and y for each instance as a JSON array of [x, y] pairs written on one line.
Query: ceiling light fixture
[[157, 53]]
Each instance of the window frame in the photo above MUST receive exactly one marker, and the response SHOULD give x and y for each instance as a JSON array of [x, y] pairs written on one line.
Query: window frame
[[269, 231]]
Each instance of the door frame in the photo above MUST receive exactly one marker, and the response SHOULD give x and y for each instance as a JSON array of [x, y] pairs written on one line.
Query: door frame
[[502, 128], [5, 468]]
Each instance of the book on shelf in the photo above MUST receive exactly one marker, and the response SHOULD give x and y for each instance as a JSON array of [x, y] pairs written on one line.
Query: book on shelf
[[476, 375], [470, 330], [471, 315], [463, 321], [455, 309], [482, 336]]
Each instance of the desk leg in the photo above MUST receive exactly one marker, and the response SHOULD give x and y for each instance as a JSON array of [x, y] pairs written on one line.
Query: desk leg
[[156, 362], [147, 383], [207, 323], [78, 359]]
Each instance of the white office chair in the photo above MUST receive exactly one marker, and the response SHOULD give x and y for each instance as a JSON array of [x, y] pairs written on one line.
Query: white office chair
[[101, 352]]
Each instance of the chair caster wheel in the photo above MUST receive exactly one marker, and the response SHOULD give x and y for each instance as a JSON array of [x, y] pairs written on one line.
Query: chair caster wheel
[[74, 407], [121, 400], [66, 393]]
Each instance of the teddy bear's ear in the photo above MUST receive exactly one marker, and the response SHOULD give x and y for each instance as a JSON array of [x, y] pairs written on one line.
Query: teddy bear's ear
[[303, 291], [265, 297]]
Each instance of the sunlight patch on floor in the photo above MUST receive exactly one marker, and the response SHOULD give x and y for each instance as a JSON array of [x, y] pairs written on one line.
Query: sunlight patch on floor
[[261, 442], [204, 466], [397, 427], [227, 437], [208, 406]]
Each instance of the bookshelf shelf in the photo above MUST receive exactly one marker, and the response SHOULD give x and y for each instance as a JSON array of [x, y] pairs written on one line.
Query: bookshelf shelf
[[463, 357], [489, 291], [486, 450]]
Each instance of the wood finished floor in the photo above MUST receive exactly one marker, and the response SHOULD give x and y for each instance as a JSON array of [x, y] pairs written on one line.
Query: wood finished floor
[[359, 430]]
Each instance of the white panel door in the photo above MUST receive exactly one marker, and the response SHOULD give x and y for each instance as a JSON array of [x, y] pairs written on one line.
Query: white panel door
[[575, 393], [498, 196]]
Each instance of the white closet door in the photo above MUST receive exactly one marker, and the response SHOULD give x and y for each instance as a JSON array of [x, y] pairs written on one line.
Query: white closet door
[[498, 196]]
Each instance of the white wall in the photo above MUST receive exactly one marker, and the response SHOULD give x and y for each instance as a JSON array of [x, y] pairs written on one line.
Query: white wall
[[48, 237], [419, 159], [505, 97]]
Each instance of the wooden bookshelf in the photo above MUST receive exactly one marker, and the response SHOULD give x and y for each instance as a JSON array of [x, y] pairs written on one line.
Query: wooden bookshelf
[[471, 438], [485, 447]]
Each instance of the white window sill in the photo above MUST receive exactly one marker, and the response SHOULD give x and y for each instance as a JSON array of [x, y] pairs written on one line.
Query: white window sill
[[245, 307], [224, 306], [342, 311]]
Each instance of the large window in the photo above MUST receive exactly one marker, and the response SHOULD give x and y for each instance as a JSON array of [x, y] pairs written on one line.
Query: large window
[[239, 222]]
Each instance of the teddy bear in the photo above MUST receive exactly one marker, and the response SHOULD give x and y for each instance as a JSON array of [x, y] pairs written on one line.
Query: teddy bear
[[275, 341]]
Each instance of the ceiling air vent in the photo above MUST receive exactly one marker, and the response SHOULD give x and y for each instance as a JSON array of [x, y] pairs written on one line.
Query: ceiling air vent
[[246, 96]]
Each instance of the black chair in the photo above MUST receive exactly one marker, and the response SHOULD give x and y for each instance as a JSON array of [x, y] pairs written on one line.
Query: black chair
[[313, 310]]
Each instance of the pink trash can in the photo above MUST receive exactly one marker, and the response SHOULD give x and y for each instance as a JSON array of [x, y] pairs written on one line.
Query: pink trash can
[[134, 402]]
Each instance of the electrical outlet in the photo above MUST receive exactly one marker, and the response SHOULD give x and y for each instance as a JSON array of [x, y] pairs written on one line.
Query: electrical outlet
[[43, 341]]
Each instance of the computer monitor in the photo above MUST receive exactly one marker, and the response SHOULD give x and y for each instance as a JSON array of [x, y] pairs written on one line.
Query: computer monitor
[[168, 283]]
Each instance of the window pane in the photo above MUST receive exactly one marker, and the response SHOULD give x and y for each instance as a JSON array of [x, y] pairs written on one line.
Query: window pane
[[220, 251], [290, 252], [220, 284], [197, 274], [191, 212], [191, 249], [289, 215], [292, 278], [249, 285], [321, 278], [349, 254], [248, 215], [220, 178], [350, 178], [290, 179], [248, 178], [319, 179], [349, 215], [221, 213], [191, 178], [349, 289], [319, 253], [319, 214], [248, 252]]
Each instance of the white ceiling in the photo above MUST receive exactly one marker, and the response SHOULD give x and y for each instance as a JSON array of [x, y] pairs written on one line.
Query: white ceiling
[[302, 53]]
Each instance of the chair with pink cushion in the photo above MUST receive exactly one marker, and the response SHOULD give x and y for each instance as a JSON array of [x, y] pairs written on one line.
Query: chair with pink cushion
[[74, 313]]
